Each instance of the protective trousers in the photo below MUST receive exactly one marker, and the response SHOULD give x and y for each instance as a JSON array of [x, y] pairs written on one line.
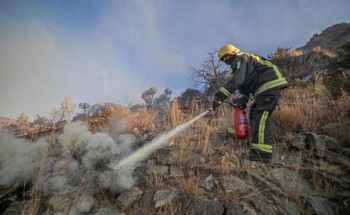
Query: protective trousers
[[260, 117]]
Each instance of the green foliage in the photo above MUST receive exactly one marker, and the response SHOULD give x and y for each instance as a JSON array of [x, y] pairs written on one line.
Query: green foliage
[[337, 84], [283, 59], [189, 95], [163, 100], [343, 59]]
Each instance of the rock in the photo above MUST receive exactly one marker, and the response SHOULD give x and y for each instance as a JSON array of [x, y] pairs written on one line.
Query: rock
[[205, 208], [176, 171], [339, 181], [166, 156], [208, 183], [195, 160], [331, 143], [146, 200], [316, 144], [234, 184], [284, 204], [129, 197], [319, 206], [289, 137], [237, 210], [345, 151], [297, 141], [162, 170], [165, 197], [336, 158], [290, 181], [263, 206], [139, 173]]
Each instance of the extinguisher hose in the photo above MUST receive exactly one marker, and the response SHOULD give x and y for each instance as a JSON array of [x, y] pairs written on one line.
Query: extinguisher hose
[[231, 104]]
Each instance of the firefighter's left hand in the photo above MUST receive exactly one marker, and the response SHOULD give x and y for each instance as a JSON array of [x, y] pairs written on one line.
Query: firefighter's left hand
[[241, 102]]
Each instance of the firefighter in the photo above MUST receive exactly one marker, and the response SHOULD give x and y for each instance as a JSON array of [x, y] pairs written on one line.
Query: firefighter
[[256, 77]]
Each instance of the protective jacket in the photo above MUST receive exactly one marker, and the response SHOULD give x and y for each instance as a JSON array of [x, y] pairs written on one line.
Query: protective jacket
[[253, 74]]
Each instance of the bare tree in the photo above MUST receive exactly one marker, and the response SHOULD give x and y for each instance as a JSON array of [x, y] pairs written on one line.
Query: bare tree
[[64, 113], [209, 78]]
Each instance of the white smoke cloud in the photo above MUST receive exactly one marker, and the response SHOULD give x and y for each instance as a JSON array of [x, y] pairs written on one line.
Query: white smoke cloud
[[75, 158], [19, 160]]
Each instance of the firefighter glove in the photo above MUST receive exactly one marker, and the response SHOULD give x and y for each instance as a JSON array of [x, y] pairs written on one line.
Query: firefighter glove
[[241, 103], [216, 104], [220, 96]]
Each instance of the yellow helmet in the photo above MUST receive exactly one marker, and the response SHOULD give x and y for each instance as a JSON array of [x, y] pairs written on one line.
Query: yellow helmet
[[227, 49]]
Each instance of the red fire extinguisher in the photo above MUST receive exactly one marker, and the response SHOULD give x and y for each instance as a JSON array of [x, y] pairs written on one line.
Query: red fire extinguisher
[[241, 123]]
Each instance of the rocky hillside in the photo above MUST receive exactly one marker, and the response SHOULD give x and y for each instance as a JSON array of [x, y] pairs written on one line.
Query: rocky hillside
[[330, 39], [204, 173], [317, 57], [72, 170]]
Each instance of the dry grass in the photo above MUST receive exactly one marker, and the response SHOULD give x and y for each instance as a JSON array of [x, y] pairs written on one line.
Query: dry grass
[[189, 186], [310, 108], [36, 195], [123, 120], [302, 108]]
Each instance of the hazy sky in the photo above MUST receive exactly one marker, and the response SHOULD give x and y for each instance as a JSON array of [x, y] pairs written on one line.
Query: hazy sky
[[113, 50]]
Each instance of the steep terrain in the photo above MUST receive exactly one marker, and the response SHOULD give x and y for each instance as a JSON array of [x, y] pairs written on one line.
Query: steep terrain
[[68, 171], [330, 39], [316, 58]]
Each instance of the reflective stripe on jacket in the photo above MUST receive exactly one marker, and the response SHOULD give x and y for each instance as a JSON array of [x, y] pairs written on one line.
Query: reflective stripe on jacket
[[253, 74]]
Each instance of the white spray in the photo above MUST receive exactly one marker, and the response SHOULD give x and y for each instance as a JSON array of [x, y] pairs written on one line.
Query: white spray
[[140, 154]]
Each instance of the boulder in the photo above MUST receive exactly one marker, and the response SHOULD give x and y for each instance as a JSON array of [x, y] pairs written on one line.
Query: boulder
[[319, 205], [129, 197], [205, 208], [234, 184], [291, 181], [263, 206], [175, 171], [208, 183], [165, 197], [283, 203], [195, 160]]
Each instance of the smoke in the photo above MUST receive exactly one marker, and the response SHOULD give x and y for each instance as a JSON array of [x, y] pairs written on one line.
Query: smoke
[[19, 160], [76, 163]]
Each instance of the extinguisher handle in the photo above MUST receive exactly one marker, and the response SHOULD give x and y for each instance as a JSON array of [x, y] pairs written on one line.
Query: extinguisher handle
[[231, 104]]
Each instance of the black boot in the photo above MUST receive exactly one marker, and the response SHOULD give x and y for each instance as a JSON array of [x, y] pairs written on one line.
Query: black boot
[[259, 156]]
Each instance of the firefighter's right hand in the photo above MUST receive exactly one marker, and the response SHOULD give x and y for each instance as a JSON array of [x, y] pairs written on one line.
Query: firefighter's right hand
[[216, 104]]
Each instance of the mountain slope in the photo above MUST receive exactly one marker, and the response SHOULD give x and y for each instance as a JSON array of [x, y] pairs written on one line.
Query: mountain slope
[[330, 39]]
